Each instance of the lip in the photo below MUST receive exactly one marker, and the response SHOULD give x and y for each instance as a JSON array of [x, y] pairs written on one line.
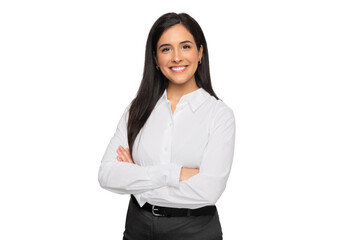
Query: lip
[[178, 66]]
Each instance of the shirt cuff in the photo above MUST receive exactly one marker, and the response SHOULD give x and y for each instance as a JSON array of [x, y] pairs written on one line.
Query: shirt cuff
[[174, 177], [166, 174]]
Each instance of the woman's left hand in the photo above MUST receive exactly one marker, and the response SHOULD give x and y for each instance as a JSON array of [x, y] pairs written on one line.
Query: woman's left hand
[[124, 155]]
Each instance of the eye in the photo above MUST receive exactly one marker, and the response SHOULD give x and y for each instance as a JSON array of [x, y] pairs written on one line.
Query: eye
[[186, 46], [166, 49]]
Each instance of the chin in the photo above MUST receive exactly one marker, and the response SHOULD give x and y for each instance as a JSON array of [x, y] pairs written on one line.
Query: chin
[[177, 82]]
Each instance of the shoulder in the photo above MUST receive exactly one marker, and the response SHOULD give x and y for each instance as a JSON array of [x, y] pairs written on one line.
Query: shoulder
[[222, 113], [220, 107], [125, 113], [124, 116]]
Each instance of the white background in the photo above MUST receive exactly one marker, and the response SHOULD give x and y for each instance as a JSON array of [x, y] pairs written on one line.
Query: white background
[[288, 69]]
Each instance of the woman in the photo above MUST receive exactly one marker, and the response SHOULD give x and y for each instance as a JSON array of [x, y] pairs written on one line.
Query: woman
[[173, 147]]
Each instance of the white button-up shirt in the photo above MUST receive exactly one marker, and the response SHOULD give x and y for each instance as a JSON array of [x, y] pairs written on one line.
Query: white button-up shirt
[[199, 134]]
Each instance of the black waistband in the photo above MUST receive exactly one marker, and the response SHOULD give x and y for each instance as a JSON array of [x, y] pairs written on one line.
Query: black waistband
[[175, 212]]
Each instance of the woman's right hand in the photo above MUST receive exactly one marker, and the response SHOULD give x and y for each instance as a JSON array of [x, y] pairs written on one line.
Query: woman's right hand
[[187, 173]]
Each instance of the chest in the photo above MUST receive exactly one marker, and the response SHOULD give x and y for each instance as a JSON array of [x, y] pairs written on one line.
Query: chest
[[178, 136]]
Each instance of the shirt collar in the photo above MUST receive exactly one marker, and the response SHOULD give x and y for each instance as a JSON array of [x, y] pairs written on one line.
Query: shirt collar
[[194, 98]]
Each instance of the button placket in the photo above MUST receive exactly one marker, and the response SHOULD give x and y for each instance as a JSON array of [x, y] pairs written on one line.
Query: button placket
[[169, 131], [166, 144]]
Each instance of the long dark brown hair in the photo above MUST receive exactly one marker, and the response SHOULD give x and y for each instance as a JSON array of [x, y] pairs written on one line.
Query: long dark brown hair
[[154, 82]]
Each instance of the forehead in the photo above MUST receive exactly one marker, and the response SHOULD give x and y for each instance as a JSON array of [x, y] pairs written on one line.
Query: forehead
[[175, 34]]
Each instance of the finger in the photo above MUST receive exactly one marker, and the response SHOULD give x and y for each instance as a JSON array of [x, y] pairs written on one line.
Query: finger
[[127, 150], [121, 153], [120, 149], [120, 156], [126, 155], [129, 154]]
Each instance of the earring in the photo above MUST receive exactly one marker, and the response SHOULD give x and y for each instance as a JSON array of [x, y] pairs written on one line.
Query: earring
[[200, 61], [157, 67]]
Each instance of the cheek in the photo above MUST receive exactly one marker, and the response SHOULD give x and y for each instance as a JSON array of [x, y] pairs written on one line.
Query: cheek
[[163, 60], [193, 56]]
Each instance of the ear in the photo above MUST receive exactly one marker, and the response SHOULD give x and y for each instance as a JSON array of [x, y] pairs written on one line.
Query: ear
[[201, 52], [155, 58]]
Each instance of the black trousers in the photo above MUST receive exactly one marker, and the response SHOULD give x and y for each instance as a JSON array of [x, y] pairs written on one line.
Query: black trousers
[[143, 225]]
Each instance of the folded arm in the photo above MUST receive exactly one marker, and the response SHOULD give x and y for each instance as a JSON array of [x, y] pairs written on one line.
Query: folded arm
[[206, 187], [127, 178]]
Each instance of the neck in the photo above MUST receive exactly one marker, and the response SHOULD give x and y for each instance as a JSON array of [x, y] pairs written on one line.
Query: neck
[[176, 91]]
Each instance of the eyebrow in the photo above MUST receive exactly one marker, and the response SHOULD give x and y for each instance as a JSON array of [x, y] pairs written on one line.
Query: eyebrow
[[167, 44]]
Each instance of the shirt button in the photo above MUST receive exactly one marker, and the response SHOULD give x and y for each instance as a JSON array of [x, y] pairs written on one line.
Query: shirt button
[[165, 148], [170, 124]]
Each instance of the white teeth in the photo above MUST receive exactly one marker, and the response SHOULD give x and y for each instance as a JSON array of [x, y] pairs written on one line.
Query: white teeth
[[178, 69]]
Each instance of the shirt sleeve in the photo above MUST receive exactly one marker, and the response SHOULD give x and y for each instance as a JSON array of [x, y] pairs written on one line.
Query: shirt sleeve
[[129, 178], [207, 186]]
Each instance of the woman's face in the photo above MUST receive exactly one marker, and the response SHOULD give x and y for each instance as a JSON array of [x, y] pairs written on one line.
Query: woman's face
[[177, 55]]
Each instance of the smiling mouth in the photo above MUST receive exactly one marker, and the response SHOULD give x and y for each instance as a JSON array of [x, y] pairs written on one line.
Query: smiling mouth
[[178, 69]]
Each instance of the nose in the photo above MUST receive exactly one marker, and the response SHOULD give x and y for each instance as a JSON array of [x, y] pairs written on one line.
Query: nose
[[177, 56]]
